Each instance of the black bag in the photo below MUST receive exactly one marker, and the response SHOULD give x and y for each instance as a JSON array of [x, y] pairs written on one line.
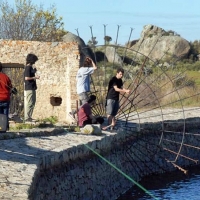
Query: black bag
[[3, 123], [14, 91]]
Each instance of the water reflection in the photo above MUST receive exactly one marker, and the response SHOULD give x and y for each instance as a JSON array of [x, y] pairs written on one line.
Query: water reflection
[[169, 186]]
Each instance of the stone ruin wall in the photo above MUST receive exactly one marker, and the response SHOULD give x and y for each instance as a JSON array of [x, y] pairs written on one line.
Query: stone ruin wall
[[57, 66]]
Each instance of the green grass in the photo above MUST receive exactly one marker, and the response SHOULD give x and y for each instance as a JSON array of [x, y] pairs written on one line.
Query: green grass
[[20, 126], [195, 75], [51, 119], [42, 123]]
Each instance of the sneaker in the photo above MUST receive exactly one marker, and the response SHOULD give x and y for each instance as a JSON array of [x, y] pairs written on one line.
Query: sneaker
[[10, 116], [30, 120], [112, 129], [72, 115]]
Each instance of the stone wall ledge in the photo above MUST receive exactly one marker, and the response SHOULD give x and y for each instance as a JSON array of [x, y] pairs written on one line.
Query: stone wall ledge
[[29, 153], [26, 153], [32, 132]]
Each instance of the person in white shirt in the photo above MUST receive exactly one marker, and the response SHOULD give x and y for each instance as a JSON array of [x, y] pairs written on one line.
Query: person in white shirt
[[83, 81]]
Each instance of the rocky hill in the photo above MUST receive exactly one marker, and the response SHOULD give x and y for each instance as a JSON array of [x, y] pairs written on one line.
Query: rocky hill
[[157, 43]]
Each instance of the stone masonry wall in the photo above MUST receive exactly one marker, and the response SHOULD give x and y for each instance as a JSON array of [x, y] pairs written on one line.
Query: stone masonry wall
[[82, 174], [57, 66]]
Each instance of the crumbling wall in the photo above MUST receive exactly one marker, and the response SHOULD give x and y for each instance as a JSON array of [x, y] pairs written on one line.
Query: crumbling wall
[[57, 66]]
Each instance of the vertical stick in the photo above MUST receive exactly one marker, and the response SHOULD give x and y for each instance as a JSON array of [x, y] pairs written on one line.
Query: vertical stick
[[24, 99], [77, 111]]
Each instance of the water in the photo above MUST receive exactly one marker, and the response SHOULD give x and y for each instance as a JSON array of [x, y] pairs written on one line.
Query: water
[[169, 186]]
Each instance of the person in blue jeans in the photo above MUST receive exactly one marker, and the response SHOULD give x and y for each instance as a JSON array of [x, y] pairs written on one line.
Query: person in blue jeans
[[5, 91], [83, 82]]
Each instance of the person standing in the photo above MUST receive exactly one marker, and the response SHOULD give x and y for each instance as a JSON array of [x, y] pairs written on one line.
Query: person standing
[[5, 92], [83, 79], [115, 86], [83, 82], [30, 86]]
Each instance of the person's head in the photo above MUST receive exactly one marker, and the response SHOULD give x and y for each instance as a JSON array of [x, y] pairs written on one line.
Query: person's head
[[31, 59], [92, 99], [1, 67], [120, 73], [87, 62]]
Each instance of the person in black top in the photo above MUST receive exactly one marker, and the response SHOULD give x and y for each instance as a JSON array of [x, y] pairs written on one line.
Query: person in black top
[[30, 86], [115, 86]]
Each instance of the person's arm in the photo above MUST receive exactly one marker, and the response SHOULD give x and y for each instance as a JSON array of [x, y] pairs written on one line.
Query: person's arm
[[9, 83], [86, 71], [31, 78], [27, 74], [92, 117], [121, 89], [93, 64]]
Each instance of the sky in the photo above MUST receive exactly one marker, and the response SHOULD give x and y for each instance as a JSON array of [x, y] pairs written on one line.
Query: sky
[[90, 17]]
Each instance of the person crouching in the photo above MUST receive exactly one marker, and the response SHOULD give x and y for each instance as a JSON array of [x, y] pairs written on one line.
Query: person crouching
[[85, 113]]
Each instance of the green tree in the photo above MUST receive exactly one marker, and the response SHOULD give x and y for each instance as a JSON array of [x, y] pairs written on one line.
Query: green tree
[[194, 50], [196, 45], [26, 21]]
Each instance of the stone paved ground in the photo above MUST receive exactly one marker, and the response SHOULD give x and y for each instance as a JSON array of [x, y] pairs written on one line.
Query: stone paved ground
[[154, 115], [20, 155]]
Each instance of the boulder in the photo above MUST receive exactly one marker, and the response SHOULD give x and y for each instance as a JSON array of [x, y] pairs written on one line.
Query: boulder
[[131, 43], [91, 129], [156, 43], [84, 49], [112, 55], [88, 129]]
